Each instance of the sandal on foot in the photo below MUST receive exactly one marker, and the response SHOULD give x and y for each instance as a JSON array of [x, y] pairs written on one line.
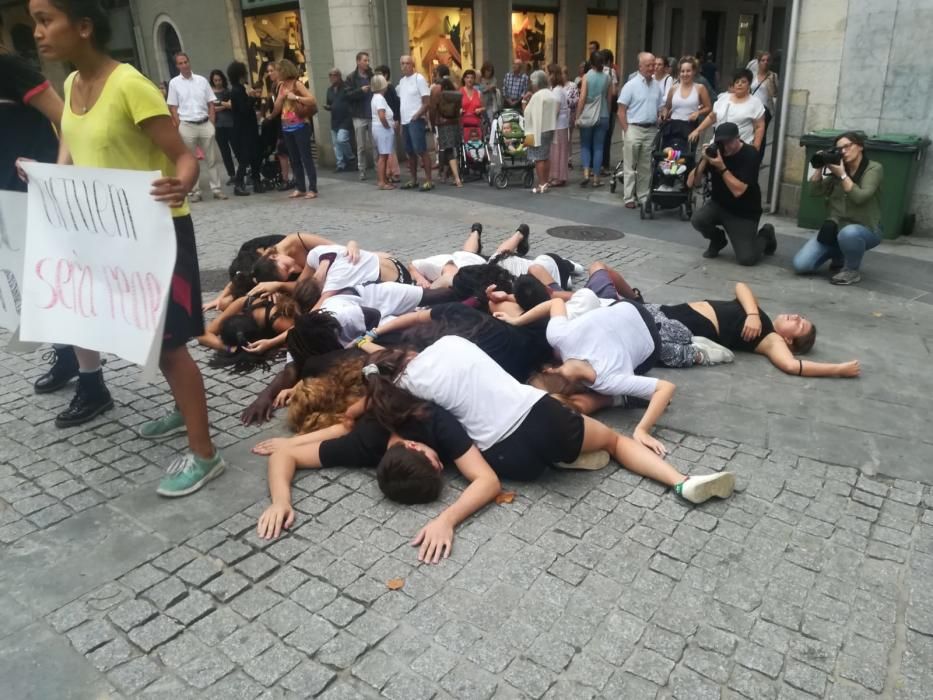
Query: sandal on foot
[[296, 194], [427, 186], [410, 185], [311, 195]]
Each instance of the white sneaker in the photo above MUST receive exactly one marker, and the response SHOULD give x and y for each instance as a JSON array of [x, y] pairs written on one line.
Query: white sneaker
[[698, 489], [711, 353], [578, 270]]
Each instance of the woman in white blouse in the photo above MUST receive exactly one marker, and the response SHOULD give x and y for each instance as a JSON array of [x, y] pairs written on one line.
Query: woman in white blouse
[[741, 108]]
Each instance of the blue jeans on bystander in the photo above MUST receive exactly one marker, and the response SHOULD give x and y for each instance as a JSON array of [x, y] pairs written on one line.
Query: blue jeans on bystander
[[343, 149], [852, 242], [592, 139]]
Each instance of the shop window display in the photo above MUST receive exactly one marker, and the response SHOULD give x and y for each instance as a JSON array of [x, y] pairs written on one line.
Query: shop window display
[[441, 35], [534, 38], [604, 29], [272, 37]]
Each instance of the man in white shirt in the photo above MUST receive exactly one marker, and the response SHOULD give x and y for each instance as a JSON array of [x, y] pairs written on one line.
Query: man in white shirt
[[640, 101], [413, 94], [191, 102]]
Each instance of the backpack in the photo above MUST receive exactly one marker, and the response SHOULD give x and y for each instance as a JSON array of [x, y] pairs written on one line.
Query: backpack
[[450, 104]]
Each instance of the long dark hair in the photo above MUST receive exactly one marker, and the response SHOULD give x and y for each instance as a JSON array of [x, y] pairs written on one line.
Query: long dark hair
[[223, 78], [391, 405], [241, 273], [93, 11]]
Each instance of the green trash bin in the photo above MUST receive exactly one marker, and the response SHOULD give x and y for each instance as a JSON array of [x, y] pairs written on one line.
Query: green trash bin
[[899, 154]]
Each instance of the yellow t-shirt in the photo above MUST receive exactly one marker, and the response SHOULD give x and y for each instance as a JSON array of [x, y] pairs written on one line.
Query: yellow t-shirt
[[109, 135]]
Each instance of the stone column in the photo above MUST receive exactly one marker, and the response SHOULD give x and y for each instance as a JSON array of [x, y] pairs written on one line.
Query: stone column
[[632, 14], [492, 22], [571, 34]]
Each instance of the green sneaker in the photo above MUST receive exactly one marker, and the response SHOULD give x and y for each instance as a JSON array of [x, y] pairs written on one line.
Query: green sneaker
[[169, 424], [187, 473]]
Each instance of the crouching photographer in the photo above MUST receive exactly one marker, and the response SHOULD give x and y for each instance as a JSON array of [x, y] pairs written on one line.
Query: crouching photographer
[[851, 185], [735, 204]]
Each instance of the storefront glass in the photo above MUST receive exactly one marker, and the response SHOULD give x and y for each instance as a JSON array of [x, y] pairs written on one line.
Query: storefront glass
[[271, 37], [441, 35], [604, 29], [534, 37]]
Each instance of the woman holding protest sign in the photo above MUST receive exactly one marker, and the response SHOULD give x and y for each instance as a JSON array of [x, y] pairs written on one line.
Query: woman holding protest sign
[[114, 117]]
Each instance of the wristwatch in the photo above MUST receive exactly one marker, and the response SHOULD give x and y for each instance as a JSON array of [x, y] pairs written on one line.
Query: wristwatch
[[843, 177]]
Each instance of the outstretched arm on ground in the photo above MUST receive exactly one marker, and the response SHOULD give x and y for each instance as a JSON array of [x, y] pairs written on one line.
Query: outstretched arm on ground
[[774, 347], [435, 538]]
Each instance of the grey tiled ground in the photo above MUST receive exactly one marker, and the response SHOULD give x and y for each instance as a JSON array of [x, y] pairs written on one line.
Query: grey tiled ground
[[813, 581]]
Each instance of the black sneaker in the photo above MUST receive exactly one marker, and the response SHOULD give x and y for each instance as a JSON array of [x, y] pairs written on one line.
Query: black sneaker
[[64, 368], [258, 187], [767, 232], [478, 227], [285, 186], [90, 400], [526, 234], [240, 191]]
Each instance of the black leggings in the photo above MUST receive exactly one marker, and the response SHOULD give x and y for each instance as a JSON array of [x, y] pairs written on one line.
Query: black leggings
[[248, 152], [225, 138]]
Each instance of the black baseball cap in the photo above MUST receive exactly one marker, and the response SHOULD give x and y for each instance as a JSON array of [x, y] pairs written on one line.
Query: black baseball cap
[[726, 132]]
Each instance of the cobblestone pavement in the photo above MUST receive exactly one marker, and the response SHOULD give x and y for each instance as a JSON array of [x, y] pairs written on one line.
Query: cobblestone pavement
[[812, 581]]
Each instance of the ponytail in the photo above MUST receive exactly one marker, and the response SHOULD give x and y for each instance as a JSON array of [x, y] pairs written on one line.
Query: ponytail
[[391, 405]]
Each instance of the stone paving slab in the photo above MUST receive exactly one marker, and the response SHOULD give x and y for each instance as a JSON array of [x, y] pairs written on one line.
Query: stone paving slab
[[811, 582]]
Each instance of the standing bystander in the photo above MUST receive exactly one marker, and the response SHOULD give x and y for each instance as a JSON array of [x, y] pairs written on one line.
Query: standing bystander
[[360, 97], [639, 104], [514, 86], [191, 102], [341, 123], [414, 97]]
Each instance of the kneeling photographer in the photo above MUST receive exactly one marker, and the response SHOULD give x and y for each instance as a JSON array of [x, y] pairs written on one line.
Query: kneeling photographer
[[851, 185], [735, 205]]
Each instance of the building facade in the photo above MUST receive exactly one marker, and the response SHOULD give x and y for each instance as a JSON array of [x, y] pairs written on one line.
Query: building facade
[[857, 64]]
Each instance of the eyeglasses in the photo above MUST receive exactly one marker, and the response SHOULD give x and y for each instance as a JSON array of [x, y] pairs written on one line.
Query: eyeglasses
[[846, 146]]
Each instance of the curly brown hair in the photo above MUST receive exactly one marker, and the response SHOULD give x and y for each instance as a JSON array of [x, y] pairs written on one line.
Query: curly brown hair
[[320, 402]]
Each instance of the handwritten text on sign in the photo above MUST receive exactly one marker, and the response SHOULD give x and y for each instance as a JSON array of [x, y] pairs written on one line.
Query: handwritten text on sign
[[12, 243], [99, 259]]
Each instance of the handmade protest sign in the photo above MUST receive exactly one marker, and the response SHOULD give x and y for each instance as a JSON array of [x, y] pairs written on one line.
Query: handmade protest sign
[[98, 261], [12, 244]]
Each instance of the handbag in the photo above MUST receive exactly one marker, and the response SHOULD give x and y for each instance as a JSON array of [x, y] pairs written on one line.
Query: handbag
[[591, 113], [305, 111]]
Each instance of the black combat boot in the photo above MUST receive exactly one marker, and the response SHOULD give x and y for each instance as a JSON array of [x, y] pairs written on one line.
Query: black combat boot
[[64, 368], [90, 400]]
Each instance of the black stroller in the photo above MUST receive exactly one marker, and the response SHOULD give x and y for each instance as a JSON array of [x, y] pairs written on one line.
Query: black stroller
[[672, 159]]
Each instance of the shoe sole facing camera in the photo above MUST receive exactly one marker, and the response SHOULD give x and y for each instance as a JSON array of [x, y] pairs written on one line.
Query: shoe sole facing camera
[[699, 489], [216, 471], [714, 353]]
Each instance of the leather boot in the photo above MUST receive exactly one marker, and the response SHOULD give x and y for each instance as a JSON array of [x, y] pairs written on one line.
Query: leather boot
[[90, 400], [64, 368]]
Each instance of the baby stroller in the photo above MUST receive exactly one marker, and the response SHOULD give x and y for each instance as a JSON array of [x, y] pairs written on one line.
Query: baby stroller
[[672, 159], [507, 151], [474, 155]]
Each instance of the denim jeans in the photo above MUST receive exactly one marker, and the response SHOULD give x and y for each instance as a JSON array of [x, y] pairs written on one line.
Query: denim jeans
[[852, 242], [592, 139], [342, 148], [298, 143]]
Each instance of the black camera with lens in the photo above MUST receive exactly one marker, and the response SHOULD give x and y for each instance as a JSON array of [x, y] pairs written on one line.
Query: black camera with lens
[[830, 156], [712, 150]]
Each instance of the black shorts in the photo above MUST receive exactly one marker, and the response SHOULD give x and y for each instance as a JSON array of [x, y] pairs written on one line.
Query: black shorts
[[404, 276], [551, 433], [184, 319]]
